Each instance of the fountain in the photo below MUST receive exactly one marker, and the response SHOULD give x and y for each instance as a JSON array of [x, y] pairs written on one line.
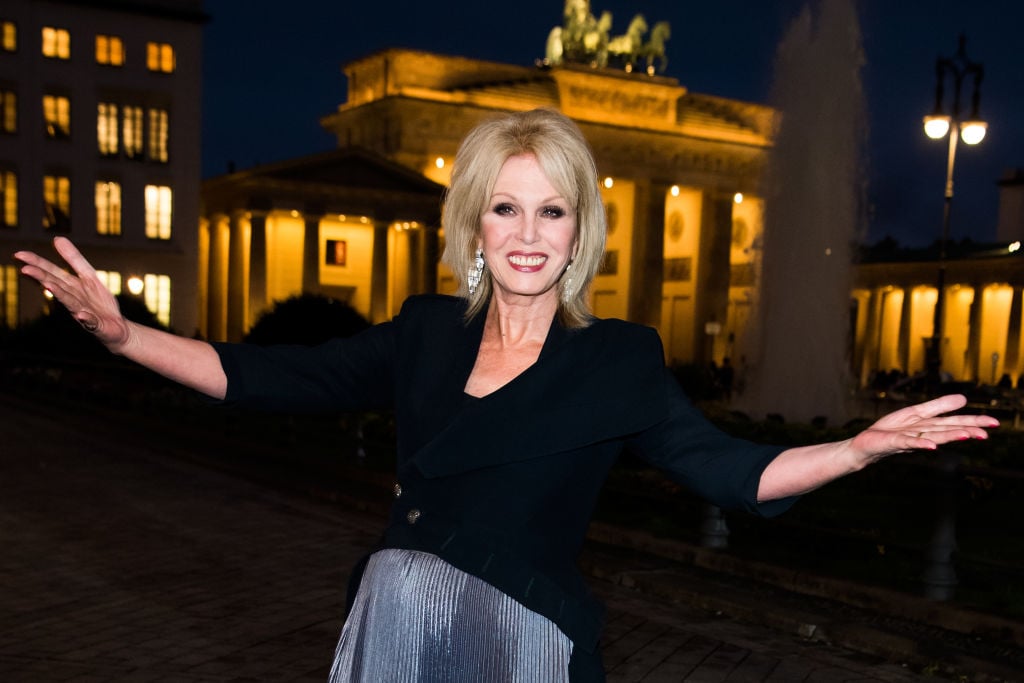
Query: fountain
[[798, 345]]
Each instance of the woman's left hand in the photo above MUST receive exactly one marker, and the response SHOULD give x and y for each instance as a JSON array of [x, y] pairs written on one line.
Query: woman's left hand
[[924, 425]]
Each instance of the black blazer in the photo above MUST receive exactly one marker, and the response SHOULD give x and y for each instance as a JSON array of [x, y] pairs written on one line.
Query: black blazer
[[503, 487]]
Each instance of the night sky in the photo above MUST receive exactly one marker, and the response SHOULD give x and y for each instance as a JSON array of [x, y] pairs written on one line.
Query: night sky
[[273, 69]]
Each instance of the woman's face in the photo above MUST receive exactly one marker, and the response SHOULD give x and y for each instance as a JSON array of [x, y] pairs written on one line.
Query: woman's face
[[527, 232]]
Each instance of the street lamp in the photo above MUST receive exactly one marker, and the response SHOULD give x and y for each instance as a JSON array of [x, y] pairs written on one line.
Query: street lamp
[[972, 131]]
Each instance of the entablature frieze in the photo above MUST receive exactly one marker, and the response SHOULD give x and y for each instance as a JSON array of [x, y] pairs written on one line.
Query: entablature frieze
[[976, 273]]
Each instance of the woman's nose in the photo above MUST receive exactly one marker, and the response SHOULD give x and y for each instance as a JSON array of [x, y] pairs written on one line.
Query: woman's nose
[[528, 230]]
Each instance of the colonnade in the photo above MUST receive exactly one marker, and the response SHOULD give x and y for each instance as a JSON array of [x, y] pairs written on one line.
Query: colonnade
[[981, 340], [250, 259]]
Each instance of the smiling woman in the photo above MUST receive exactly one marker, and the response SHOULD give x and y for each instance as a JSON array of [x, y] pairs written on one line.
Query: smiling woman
[[562, 179], [528, 236]]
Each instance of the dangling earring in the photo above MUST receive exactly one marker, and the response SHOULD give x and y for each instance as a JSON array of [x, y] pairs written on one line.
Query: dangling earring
[[567, 284], [476, 272]]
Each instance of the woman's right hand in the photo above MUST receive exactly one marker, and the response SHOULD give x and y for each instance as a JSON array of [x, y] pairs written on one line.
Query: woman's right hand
[[82, 293]]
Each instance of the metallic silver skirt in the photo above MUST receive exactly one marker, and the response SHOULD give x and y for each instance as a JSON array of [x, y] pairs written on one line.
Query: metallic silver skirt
[[416, 618]]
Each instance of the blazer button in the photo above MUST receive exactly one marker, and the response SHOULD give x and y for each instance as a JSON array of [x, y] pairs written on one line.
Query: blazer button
[[413, 515], [397, 490]]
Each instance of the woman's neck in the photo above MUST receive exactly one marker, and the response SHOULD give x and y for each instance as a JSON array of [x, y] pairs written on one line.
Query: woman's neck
[[513, 323]]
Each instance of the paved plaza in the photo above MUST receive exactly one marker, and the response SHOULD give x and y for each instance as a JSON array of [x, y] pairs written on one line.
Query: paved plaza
[[124, 562]]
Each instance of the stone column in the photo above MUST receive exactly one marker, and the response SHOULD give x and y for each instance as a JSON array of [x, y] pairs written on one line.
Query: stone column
[[906, 316], [973, 366], [257, 267], [238, 280], [869, 358], [415, 266], [713, 271], [1011, 363], [217, 308], [431, 257], [379, 274], [311, 255], [647, 264]]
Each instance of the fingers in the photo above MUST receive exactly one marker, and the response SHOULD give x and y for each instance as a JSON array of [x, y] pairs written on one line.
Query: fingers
[[69, 252], [942, 404], [50, 275]]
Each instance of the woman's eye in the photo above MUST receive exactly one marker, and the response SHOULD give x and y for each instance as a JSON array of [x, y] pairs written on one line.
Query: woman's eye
[[504, 209], [554, 211]]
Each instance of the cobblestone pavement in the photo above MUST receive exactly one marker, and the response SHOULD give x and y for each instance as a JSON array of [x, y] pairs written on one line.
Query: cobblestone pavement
[[121, 562]]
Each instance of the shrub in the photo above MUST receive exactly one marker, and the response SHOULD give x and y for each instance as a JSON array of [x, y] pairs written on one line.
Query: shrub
[[306, 319]]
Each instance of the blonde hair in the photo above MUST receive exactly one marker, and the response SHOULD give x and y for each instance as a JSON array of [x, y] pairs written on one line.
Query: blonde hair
[[566, 159]]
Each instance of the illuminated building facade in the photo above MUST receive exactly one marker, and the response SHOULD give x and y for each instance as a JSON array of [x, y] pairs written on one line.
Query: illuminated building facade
[[895, 305], [99, 121], [675, 163]]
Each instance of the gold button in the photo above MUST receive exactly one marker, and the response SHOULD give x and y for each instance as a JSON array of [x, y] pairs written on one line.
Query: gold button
[[413, 515], [398, 490]]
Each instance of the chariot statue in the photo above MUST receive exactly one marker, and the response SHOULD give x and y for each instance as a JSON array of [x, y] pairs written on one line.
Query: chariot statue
[[585, 39]]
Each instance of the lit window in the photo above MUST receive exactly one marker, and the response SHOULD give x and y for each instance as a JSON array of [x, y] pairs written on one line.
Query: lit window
[[108, 208], [57, 116], [9, 296], [160, 57], [8, 199], [157, 294], [158, 134], [106, 128], [57, 203], [109, 50], [8, 36], [158, 212], [132, 132], [8, 111], [111, 280], [56, 43]]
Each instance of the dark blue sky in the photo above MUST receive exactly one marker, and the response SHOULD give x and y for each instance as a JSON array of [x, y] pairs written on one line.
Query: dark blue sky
[[270, 75]]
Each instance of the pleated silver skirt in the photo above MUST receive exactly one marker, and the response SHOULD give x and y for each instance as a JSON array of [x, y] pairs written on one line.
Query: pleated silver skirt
[[416, 619]]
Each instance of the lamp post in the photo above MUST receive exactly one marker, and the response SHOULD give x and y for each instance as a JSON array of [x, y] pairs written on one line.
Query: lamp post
[[972, 131]]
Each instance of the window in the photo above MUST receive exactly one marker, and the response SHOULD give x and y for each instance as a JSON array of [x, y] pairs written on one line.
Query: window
[[8, 111], [157, 293], [109, 50], [160, 57], [111, 280], [57, 203], [106, 128], [8, 36], [8, 199], [158, 135], [108, 208], [9, 296], [132, 132], [57, 116], [56, 43], [158, 212]]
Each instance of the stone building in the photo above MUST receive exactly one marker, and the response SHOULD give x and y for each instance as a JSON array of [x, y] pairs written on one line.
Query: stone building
[[895, 298], [99, 121], [680, 170]]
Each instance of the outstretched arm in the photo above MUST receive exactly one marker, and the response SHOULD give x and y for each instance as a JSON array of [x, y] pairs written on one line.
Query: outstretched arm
[[922, 426], [190, 362]]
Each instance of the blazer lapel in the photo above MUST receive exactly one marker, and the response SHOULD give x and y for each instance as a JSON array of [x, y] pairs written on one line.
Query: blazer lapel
[[578, 392]]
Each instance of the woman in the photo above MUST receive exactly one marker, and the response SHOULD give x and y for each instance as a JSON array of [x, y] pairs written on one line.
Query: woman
[[512, 402]]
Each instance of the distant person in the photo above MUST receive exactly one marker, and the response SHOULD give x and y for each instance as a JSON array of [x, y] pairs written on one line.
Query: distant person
[[512, 402]]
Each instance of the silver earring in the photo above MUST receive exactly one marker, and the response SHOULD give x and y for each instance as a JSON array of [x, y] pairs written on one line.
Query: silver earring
[[476, 272], [567, 284]]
